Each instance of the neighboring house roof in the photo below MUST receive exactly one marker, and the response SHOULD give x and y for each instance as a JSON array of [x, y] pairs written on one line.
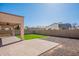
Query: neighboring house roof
[[60, 25]]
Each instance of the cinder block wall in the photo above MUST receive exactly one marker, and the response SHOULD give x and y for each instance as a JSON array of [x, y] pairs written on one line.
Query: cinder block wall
[[61, 33]]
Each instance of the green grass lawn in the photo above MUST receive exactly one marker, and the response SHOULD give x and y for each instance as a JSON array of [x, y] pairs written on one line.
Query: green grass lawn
[[32, 36]]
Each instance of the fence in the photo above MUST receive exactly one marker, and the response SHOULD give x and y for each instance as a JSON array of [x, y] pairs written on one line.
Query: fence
[[61, 33]]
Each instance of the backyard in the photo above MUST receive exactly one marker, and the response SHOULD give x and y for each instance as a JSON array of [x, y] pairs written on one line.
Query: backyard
[[32, 36], [67, 47]]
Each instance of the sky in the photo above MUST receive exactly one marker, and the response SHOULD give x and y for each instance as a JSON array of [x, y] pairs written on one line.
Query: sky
[[43, 14]]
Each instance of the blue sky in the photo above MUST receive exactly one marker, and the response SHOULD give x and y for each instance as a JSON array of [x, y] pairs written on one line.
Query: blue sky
[[43, 14]]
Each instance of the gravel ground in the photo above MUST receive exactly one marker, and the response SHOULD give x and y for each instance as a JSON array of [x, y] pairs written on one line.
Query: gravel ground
[[70, 47]]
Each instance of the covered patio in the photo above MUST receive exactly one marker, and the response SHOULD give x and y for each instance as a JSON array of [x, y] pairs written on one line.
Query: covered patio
[[9, 23]]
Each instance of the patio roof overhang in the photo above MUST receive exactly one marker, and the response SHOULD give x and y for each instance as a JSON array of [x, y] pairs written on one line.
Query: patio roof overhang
[[11, 20]]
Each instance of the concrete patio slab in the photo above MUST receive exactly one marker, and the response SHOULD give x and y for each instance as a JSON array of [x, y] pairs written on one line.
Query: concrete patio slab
[[27, 48], [7, 40]]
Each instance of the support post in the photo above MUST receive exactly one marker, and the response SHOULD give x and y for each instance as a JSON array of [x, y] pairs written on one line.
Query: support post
[[22, 30], [13, 31]]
